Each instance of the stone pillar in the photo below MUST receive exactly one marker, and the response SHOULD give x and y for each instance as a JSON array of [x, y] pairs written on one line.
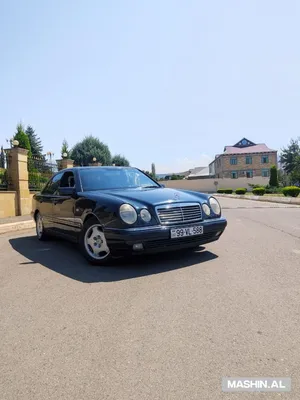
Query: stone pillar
[[65, 163], [18, 179]]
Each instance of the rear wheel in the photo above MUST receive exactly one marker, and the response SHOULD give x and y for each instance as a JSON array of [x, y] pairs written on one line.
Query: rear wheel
[[39, 226], [93, 243]]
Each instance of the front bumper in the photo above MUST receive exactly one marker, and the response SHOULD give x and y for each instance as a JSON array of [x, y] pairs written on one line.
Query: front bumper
[[158, 239]]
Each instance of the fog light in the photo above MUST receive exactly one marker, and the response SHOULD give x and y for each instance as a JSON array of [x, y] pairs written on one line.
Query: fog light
[[138, 246], [218, 233]]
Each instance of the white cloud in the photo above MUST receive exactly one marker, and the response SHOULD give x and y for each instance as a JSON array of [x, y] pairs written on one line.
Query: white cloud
[[183, 164]]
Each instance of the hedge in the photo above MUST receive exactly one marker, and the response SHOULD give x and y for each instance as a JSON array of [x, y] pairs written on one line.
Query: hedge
[[291, 191], [260, 191], [225, 191], [241, 191]]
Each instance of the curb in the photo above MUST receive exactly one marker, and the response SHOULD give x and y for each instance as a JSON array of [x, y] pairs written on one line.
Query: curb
[[280, 200], [16, 226]]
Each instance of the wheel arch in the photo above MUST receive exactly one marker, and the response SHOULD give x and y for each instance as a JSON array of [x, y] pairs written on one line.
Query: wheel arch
[[89, 216]]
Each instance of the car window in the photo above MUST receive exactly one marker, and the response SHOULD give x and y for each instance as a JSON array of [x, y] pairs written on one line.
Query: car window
[[53, 185], [114, 178], [67, 180]]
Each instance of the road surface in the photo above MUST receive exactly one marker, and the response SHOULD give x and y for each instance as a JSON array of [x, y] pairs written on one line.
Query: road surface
[[162, 327]]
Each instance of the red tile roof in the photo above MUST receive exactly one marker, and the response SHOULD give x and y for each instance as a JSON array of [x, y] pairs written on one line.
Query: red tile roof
[[257, 148]]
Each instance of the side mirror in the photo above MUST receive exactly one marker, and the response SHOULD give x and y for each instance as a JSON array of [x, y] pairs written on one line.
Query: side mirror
[[162, 185], [66, 191]]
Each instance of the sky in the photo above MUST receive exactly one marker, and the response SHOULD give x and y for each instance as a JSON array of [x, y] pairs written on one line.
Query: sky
[[164, 81]]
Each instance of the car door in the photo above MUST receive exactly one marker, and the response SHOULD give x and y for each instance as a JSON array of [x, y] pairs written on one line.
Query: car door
[[44, 201], [64, 207]]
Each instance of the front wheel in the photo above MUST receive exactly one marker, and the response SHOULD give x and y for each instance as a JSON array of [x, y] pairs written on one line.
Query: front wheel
[[93, 243]]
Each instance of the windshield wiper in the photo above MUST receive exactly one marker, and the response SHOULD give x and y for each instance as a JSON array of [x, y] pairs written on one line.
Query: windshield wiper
[[150, 186]]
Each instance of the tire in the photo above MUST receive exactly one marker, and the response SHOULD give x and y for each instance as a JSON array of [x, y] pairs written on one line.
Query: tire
[[93, 244], [39, 228]]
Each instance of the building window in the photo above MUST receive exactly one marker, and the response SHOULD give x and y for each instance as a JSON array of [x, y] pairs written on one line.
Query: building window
[[265, 173], [234, 175], [248, 160], [265, 159], [233, 161], [249, 174]]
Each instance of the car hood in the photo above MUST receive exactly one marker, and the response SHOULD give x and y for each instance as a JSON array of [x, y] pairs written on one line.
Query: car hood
[[151, 196]]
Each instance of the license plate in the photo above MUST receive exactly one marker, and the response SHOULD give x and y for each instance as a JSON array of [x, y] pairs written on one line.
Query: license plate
[[188, 231]]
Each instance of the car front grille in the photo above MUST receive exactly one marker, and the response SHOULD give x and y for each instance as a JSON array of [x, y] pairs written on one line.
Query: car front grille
[[179, 213]]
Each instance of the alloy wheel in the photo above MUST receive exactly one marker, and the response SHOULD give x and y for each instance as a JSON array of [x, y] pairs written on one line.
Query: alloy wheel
[[95, 243]]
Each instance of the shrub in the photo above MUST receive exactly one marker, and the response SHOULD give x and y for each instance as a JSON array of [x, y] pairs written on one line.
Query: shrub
[[291, 191], [241, 191], [260, 191], [226, 191], [254, 186], [273, 190]]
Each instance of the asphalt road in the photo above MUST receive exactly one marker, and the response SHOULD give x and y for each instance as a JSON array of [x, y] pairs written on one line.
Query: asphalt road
[[162, 327]]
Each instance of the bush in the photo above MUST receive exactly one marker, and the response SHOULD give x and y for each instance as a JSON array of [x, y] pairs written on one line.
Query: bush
[[240, 191], [273, 190], [226, 191], [260, 191], [291, 191], [254, 186]]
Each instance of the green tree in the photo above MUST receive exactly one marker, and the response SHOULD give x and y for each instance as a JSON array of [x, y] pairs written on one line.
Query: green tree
[[295, 174], [64, 148], [120, 161], [290, 156], [273, 176], [35, 142], [2, 158], [90, 147], [22, 138], [153, 170]]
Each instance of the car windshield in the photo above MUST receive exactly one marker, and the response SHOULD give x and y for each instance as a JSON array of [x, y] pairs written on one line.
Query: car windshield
[[114, 178]]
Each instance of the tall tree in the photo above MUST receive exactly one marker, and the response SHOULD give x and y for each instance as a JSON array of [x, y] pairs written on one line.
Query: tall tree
[[65, 148], [120, 161], [273, 176], [22, 138], [2, 158], [90, 147], [290, 155], [153, 170], [35, 141]]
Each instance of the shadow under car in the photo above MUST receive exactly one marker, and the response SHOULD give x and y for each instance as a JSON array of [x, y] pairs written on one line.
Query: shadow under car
[[64, 258]]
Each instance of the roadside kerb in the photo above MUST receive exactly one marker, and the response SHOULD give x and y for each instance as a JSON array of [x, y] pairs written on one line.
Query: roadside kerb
[[271, 199], [16, 226]]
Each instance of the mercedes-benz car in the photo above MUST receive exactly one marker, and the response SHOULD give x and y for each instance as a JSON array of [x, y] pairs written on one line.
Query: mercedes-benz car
[[114, 211]]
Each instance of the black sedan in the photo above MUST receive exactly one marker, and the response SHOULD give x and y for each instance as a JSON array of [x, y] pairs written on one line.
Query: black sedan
[[113, 211]]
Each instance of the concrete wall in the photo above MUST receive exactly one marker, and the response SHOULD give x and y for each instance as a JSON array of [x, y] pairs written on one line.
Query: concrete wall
[[208, 185], [8, 204]]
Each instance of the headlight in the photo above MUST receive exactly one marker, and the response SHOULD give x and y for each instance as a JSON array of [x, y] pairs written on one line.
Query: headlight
[[206, 209], [215, 206], [128, 214], [145, 215]]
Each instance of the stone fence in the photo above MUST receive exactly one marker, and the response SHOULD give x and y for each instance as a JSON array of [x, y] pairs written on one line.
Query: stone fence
[[15, 194]]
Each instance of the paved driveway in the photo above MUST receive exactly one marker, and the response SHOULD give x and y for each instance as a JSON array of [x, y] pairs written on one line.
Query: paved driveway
[[161, 327]]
